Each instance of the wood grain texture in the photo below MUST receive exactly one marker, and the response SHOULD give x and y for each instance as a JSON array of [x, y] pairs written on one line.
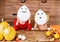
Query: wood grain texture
[[51, 7], [33, 36]]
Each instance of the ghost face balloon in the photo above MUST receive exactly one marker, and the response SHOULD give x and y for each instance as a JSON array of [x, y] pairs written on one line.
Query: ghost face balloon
[[23, 13], [40, 18]]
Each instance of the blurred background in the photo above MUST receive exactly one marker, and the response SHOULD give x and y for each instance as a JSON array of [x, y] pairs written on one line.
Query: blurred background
[[9, 8]]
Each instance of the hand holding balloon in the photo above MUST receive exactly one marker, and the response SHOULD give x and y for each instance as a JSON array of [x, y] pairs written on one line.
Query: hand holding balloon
[[23, 19], [41, 20]]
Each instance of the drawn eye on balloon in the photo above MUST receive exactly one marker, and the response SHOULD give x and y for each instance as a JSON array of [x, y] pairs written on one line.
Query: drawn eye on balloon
[[42, 13], [40, 17], [23, 13]]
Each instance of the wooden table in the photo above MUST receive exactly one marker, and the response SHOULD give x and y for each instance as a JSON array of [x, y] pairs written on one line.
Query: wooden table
[[33, 36]]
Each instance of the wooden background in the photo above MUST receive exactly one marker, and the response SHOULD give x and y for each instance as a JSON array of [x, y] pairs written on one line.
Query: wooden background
[[10, 7]]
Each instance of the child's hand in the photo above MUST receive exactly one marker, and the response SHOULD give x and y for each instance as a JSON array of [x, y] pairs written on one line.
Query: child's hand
[[17, 22], [29, 21], [34, 29], [35, 25]]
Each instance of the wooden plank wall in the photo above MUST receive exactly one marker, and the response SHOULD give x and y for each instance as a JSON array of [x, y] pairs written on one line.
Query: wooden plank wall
[[12, 6], [2, 13], [51, 7]]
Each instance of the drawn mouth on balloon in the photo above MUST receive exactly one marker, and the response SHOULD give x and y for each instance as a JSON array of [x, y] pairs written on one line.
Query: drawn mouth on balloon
[[40, 17], [23, 11]]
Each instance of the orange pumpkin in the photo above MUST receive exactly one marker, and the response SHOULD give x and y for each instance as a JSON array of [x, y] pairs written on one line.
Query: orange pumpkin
[[55, 28]]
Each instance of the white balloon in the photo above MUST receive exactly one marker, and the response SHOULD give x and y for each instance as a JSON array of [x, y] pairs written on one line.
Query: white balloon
[[23, 13], [40, 17]]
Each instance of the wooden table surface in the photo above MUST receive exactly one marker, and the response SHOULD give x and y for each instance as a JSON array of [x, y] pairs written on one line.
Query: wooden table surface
[[33, 36]]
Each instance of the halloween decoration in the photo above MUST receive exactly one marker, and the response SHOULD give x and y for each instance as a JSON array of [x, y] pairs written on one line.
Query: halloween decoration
[[3, 25], [41, 20], [23, 19], [9, 33], [22, 37], [54, 32], [6, 31]]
